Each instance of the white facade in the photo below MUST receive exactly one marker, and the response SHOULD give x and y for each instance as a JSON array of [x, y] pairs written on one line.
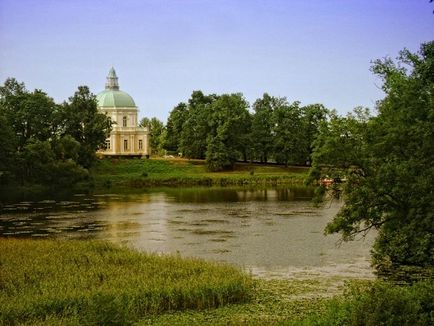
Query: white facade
[[126, 138]]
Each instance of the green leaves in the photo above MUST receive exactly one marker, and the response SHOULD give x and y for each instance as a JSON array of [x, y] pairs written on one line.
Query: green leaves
[[80, 119], [47, 143], [276, 130], [387, 161]]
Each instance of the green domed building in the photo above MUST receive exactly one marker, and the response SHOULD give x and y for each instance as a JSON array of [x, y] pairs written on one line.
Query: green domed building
[[126, 138]]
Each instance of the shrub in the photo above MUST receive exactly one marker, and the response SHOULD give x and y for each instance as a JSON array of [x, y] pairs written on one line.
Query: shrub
[[381, 303]]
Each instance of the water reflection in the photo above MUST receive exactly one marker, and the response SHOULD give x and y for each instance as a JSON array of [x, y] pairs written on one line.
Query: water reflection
[[216, 195], [261, 230]]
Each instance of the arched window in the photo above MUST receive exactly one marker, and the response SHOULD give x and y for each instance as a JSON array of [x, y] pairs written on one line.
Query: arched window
[[124, 121]]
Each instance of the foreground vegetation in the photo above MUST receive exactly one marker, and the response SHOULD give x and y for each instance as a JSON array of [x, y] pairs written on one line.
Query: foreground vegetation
[[46, 282], [137, 173], [89, 282], [317, 303]]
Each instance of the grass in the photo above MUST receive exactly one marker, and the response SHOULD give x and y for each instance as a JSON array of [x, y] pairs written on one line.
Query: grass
[[274, 302], [96, 283], [174, 172], [49, 282]]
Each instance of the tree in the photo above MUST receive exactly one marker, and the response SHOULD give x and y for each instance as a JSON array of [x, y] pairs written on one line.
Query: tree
[[45, 143], [229, 124], [81, 119], [156, 128], [29, 114], [263, 126], [289, 140], [7, 150], [217, 154], [145, 122], [312, 117], [174, 125], [27, 119], [388, 164], [195, 130]]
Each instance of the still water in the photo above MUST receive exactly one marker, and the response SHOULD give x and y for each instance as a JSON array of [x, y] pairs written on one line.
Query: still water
[[272, 232]]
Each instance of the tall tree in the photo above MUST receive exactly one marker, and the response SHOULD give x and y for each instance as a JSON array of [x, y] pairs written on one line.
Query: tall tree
[[262, 134], [196, 127], [174, 128], [156, 129], [229, 124], [289, 140], [8, 161], [29, 114], [81, 119], [34, 149], [390, 169], [313, 116]]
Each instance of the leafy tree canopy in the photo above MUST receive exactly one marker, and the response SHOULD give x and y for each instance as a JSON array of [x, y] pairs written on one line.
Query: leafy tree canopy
[[46, 143], [157, 133], [388, 163]]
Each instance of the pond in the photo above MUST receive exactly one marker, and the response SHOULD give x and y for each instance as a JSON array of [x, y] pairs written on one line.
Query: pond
[[269, 232]]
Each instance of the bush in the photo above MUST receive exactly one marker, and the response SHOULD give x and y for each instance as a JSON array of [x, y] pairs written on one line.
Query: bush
[[382, 303]]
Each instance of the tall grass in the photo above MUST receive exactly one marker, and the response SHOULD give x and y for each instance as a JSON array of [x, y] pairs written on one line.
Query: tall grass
[[96, 283]]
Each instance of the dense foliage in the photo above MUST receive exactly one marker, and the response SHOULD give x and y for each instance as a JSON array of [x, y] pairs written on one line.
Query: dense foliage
[[48, 143], [387, 161], [156, 134], [222, 130], [380, 304]]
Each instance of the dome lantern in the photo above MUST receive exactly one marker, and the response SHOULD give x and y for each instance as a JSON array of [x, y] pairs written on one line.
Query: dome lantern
[[112, 96], [112, 80]]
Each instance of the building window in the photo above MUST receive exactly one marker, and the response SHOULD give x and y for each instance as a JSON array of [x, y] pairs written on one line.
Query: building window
[[107, 144], [125, 145], [124, 121], [140, 144]]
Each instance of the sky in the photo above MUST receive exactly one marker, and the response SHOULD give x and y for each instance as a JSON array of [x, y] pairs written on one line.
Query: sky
[[312, 51]]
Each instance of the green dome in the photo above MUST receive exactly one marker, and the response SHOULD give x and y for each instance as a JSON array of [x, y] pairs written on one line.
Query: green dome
[[114, 98]]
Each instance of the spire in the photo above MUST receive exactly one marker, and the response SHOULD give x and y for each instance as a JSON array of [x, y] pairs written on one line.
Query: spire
[[112, 80]]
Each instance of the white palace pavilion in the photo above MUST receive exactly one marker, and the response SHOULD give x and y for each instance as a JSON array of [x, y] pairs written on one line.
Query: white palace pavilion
[[126, 138]]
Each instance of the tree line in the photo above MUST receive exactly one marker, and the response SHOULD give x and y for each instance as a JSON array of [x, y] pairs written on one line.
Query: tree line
[[48, 143], [222, 130]]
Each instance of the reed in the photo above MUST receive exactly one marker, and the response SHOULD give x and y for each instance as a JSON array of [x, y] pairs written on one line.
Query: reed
[[97, 283]]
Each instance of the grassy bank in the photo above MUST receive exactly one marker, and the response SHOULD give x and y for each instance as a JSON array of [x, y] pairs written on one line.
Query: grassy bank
[[138, 173], [45, 282], [88, 282], [134, 174]]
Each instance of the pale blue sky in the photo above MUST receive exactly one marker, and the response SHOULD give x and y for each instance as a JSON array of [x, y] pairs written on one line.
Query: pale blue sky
[[316, 51]]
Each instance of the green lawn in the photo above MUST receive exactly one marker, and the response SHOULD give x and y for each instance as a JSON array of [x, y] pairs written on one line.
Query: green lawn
[[172, 172]]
